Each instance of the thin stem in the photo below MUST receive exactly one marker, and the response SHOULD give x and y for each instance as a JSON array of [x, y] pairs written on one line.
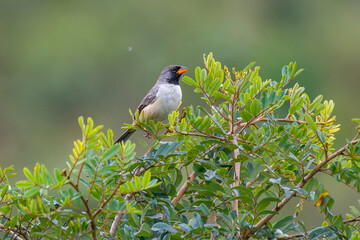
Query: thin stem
[[92, 184], [357, 219], [201, 135], [213, 104], [88, 212], [236, 153], [118, 217], [237, 166], [183, 189], [78, 176], [108, 199]]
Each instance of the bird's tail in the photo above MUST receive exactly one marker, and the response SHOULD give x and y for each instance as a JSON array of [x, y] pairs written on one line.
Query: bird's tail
[[125, 136]]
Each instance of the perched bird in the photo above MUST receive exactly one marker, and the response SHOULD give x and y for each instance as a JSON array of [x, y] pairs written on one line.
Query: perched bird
[[162, 99]]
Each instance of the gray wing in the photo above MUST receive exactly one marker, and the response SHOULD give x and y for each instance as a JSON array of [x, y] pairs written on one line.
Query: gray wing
[[149, 98]]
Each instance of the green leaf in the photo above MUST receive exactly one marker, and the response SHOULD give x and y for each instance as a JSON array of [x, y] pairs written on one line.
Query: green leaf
[[107, 170], [31, 192], [25, 184], [213, 119], [28, 174], [322, 232], [13, 221], [354, 211], [298, 72], [311, 123], [296, 105], [250, 65], [58, 176], [214, 86], [189, 81], [196, 221], [218, 95], [111, 152], [133, 220], [130, 186], [137, 183], [255, 107], [46, 176], [197, 74], [4, 191], [299, 190], [266, 202], [204, 209], [207, 164], [245, 115], [81, 122], [282, 222], [168, 147], [153, 183], [355, 236], [163, 226], [146, 179], [321, 136], [185, 227]]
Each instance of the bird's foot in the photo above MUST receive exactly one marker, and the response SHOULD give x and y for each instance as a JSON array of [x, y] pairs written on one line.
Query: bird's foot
[[148, 135], [167, 131]]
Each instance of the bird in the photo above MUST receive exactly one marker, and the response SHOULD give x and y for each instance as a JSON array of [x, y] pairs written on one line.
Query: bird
[[162, 99]]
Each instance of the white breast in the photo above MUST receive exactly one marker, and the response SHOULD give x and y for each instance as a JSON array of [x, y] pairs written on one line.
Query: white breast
[[167, 100]]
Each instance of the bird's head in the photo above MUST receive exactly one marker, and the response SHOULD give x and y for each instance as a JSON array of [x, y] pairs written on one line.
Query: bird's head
[[172, 74]]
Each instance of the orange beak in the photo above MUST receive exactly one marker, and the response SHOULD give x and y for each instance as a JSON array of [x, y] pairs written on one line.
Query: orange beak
[[182, 70]]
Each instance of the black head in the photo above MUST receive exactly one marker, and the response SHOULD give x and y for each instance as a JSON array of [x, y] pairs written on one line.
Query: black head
[[172, 74]]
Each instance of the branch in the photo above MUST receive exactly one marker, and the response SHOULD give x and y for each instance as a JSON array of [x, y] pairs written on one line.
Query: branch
[[109, 198], [183, 189], [262, 119], [357, 219], [118, 217], [236, 152], [88, 212], [11, 232], [237, 166], [268, 217]]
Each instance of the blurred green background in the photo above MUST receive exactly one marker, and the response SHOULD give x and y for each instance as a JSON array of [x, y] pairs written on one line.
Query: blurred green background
[[63, 59]]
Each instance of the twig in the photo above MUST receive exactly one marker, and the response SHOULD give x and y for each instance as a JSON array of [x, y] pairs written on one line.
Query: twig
[[127, 197], [183, 189], [109, 198], [236, 153], [11, 232], [201, 135], [250, 183], [88, 212], [262, 119], [357, 219]]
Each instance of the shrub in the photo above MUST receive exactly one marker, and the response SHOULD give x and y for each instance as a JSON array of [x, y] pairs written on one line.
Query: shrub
[[229, 168]]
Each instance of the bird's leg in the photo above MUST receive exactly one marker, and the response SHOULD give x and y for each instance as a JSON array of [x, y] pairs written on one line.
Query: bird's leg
[[147, 135], [167, 131]]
